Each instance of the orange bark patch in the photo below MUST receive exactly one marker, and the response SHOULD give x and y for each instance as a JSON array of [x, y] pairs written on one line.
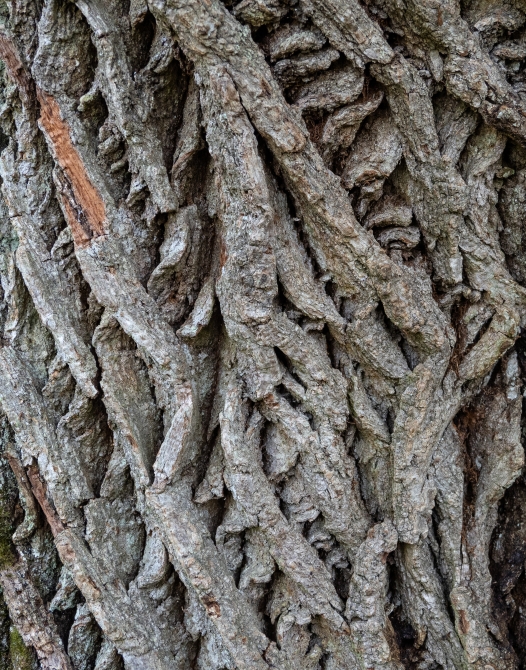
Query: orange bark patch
[[85, 194]]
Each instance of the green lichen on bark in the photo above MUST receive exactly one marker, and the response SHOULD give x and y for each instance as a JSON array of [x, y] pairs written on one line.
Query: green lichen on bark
[[21, 658]]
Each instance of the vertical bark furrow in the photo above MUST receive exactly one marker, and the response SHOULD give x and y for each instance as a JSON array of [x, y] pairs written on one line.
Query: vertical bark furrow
[[261, 308]]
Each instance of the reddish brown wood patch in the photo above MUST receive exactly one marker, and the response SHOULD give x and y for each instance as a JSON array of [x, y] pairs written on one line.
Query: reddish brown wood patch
[[212, 606], [16, 69], [84, 193], [39, 491]]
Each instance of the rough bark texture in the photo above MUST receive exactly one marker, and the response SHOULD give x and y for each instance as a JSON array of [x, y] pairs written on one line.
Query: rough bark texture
[[263, 285]]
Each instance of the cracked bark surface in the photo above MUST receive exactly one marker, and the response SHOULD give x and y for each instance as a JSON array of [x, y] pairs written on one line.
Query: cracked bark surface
[[262, 361]]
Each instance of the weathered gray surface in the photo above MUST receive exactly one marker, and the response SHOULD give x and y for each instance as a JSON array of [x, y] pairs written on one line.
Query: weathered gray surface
[[262, 300]]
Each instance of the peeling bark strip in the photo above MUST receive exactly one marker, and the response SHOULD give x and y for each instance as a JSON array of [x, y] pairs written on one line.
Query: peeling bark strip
[[32, 619], [262, 361], [87, 215]]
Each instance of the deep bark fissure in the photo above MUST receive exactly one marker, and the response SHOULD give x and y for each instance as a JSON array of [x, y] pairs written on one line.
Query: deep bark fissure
[[262, 361]]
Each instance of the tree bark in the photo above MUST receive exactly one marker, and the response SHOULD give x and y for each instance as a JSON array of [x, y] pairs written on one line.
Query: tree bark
[[263, 285]]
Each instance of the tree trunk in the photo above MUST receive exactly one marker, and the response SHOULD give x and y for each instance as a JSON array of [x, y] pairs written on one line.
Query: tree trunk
[[261, 368]]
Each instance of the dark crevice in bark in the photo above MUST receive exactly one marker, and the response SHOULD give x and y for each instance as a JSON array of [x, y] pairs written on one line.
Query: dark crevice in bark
[[143, 35], [410, 656], [64, 621], [249, 361]]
